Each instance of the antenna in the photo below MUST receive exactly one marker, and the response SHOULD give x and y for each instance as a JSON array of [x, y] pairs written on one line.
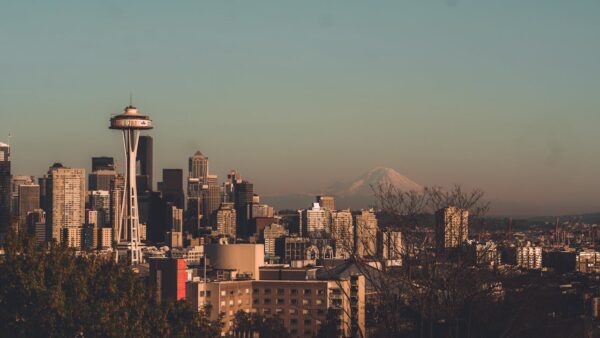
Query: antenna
[[9, 137], [130, 99]]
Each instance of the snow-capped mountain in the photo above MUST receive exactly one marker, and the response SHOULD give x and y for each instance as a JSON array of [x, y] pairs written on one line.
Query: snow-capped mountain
[[373, 178]]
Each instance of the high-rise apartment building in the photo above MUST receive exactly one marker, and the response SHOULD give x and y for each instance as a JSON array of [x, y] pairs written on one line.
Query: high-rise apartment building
[[452, 227], [5, 214], [342, 231], [326, 202], [366, 233], [67, 201], [144, 161], [226, 220], [314, 221]]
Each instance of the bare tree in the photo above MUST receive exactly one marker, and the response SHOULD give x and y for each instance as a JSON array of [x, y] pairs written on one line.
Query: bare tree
[[432, 293]]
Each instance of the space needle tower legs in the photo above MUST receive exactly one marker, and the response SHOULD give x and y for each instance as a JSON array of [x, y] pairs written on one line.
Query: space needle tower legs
[[130, 122]]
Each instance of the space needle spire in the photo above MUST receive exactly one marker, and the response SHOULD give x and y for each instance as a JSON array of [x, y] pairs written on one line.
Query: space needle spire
[[128, 244]]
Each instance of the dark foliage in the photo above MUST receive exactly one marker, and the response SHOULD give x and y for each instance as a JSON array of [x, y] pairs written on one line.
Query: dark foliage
[[49, 292]]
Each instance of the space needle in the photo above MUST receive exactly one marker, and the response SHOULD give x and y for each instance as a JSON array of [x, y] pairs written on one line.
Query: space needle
[[130, 122]]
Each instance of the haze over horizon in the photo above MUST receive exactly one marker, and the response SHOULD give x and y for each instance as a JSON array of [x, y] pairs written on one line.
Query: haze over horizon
[[297, 96]]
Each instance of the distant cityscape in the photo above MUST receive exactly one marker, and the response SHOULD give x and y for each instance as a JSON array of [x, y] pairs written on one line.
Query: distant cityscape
[[215, 244]]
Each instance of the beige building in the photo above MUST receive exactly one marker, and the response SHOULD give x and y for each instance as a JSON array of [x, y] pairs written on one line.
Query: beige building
[[271, 234], [390, 247], [302, 304], [223, 298], [342, 231], [67, 200], [105, 238], [244, 259], [314, 220], [226, 220], [452, 227], [71, 236], [326, 202], [366, 233]]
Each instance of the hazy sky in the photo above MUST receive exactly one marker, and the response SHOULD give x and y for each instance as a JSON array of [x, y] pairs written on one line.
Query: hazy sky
[[503, 95]]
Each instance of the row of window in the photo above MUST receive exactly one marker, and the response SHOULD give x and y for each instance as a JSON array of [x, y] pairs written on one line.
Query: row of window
[[280, 301], [267, 291]]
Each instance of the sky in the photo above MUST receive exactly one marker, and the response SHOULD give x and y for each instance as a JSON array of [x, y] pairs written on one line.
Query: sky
[[500, 95]]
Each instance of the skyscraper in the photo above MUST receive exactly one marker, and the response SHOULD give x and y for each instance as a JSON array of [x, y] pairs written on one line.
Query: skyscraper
[[198, 166], [201, 193], [243, 193], [144, 164], [67, 200], [103, 163], [452, 227], [171, 187], [101, 180], [29, 200], [99, 201], [211, 200], [4, 187]]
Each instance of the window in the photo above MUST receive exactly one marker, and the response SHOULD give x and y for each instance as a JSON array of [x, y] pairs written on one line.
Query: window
[[280, 291], [320, 292], [294, 291], [231, 302], [223, 293], [293, 312], [201, 293], [305, 312], [255, 301], [294, 302], [267, 300], [231, 293], [307, 291], [239, 301], [207, 293], [280, 301], [247, 291], [266, 311], [255, 291], [278, 311], [305, 302], [320, 311], [307, 322], [267, 291], [223, 303], [293, 321], [318, 302]]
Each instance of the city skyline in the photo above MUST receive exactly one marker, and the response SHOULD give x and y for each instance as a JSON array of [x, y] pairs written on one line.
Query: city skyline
[[509, 107]]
